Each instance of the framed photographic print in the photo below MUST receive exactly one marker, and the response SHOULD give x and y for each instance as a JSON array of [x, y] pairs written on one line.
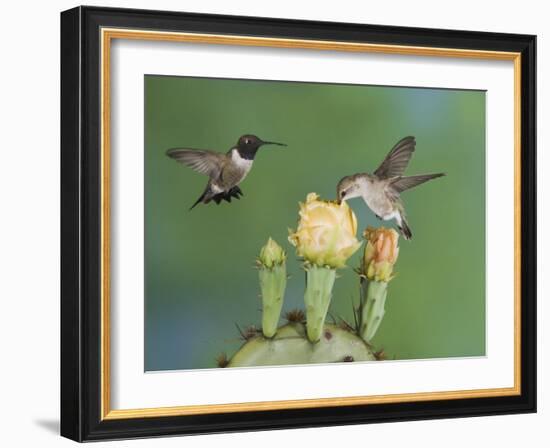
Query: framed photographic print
[[273, 223]]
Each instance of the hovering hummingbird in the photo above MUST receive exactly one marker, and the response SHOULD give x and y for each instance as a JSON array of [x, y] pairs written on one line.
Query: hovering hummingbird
[[226, 171], [381, 190]]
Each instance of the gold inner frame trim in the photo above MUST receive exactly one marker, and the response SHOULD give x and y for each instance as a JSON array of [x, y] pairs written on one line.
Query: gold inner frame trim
[[107, 35]]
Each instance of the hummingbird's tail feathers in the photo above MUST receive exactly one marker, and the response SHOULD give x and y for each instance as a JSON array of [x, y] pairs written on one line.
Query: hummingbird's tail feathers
[[208, 196], [405, 230], [406, 183], [234, 192], [402, 223]]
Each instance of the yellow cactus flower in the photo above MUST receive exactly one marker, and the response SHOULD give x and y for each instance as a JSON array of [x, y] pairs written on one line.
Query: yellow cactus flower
[[326, 234], [380, 254]]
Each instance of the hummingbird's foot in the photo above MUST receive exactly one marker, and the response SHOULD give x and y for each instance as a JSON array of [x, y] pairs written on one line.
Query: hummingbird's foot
[[379, 217]]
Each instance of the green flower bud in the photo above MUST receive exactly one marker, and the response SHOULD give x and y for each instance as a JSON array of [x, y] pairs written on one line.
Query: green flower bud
[[271, 255], [272, 273]]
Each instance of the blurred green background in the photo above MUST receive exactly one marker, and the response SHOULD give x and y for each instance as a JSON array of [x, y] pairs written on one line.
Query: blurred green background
[[199, 265]]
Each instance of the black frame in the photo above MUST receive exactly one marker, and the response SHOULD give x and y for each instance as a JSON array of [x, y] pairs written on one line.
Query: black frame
[[80, 224]]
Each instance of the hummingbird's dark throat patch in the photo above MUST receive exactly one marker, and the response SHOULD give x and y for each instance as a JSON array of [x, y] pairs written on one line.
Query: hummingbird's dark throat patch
[[247, 153]]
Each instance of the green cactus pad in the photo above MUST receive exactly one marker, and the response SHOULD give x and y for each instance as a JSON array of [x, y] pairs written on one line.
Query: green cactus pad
[[291, 346]]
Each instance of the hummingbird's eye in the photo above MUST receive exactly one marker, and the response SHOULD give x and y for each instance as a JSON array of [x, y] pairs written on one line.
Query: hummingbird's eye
[[343, 193], [247, 141]]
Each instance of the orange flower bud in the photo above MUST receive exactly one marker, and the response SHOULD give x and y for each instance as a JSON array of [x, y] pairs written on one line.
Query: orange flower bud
[[380, 253]]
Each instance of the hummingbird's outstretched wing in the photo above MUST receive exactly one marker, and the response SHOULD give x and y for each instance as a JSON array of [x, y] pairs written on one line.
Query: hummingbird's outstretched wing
[[401, 184], [202, 161], [397, 160]]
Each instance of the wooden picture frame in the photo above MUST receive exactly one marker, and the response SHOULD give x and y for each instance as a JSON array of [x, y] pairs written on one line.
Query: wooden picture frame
[[86, 35]]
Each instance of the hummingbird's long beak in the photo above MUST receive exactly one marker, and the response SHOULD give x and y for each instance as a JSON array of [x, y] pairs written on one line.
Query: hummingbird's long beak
[[274, 143]]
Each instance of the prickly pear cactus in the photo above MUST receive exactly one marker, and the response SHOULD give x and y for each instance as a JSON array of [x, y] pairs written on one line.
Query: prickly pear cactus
[[325, 239], [290, 345]]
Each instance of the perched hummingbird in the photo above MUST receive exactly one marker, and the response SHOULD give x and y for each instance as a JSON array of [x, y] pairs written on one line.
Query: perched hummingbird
[[381, 190], [226, 171]]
